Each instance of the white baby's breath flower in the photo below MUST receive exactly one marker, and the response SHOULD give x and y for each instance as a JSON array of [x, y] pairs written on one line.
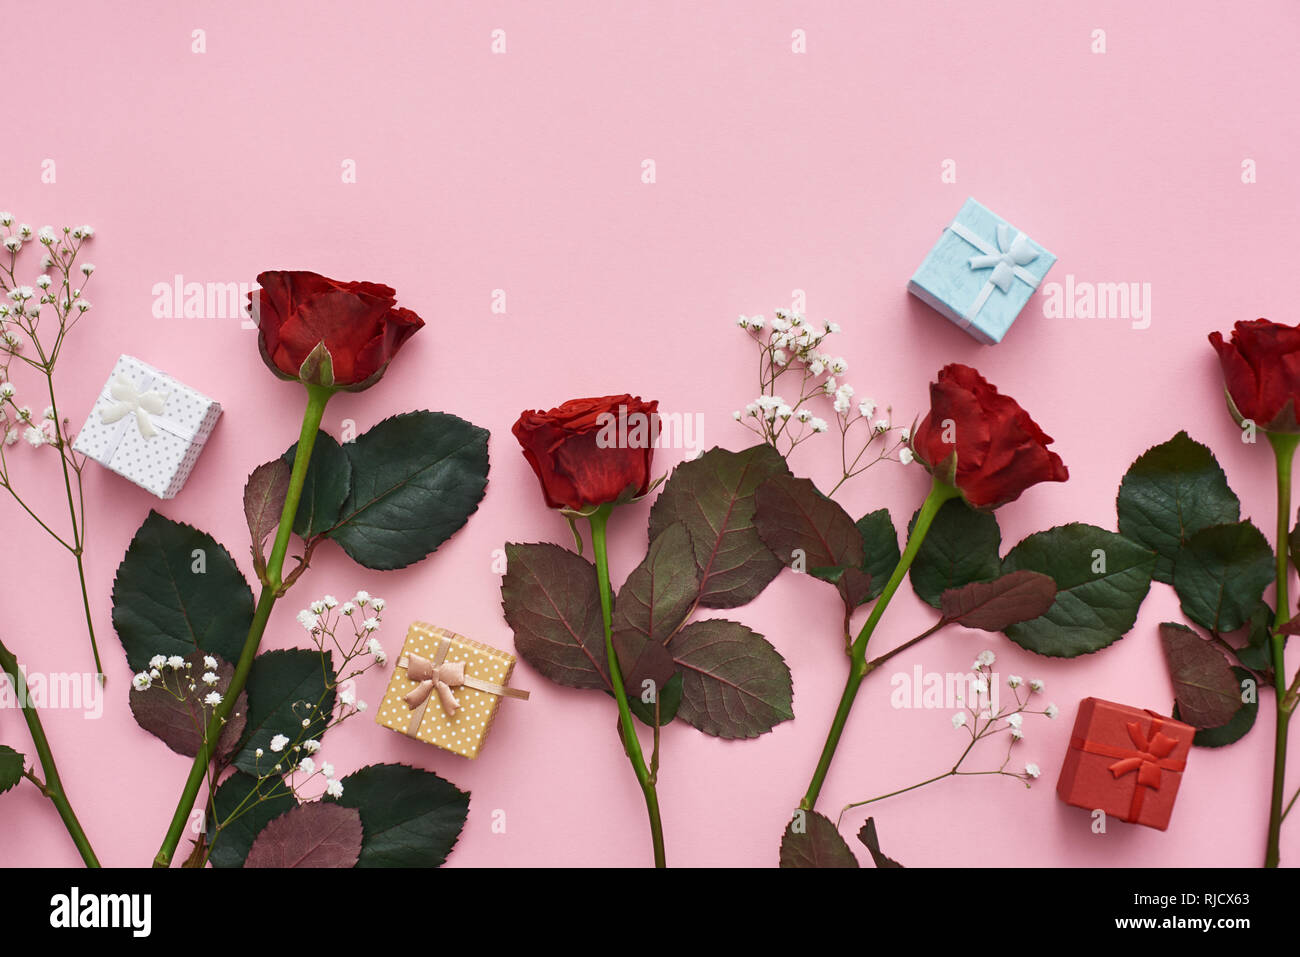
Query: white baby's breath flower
[[882, 425], [819, 425], [375, 648], [1017, 734], [1015, 720], [308, 620], [44, 282], [348, 608], [327, 769], [1014, 681], [1032, 770], [87, 268], [209, 662], [1036, 684], [959, 719], [318, 607], [307, 766], [866, 408], [278, 743], [839, 365], [258, 753], [985, 658], [980, 686], [34, 436], [6, 390], [213, 699], [362, 706], [142, 682], [210, 678], [362, 598], [348, 697], [311, 745], [334, 789], [176, 662], [1051, 711], [832, 327], [803, 415], [330, 601], [905, 456]]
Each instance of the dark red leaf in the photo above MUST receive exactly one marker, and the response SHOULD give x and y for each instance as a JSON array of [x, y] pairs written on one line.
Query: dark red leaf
[[993, 606], [310, 835], [867, 835], [178, 723], [811, 840], [1205, 688]]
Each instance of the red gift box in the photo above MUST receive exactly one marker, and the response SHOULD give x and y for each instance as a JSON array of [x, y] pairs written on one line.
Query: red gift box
[[1125, 761]]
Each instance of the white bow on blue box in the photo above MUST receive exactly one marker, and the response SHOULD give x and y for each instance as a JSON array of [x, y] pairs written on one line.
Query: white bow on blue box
[[981, 273]]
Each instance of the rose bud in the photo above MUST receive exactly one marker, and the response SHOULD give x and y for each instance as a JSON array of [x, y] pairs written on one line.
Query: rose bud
[[319, 331], [591, 452], [982, 442], [1261, 371]]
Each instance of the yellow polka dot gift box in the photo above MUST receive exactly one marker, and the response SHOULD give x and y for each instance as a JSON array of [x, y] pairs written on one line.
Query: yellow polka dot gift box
[[446, 688]]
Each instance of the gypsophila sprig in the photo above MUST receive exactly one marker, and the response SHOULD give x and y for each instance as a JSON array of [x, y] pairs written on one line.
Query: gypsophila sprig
[[34, 323], [293, 765], [802, 394], [983, 717]]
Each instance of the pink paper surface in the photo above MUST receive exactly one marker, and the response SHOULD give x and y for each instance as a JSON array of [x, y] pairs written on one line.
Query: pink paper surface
[[775, 171]]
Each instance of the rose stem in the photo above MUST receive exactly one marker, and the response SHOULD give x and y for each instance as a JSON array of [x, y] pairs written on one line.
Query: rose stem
[[272, 587], [631, 743], [1284, 446], [52, 786], [940, 492]]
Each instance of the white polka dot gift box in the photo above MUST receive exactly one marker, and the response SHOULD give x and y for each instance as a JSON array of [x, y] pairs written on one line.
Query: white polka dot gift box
[[147, 427], [446, 688]]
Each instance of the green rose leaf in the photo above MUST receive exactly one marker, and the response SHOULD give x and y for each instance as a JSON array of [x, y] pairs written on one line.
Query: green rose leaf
[[1205, 688], [1101, 580], [416, 479], [243, 806], [11, 767], [657, 597], [670, 700], [552, 604], [179, 722], [316, 835], [811, 840], [264, 495], [880, 546], [285, 688], [324, 489], [713, 496], [1221, 573], [410, 817], [867, 835], [1251, 643], [1239, 724], [961, 547], [1171, 492], [993, 606], [734, 683], [803, 527], [178, 590]]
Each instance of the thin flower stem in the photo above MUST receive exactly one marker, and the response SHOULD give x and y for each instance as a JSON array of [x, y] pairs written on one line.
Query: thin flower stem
[[631, 743], [52, 786], [940, 492], [317, 397], [1284, 446], [875, 663]]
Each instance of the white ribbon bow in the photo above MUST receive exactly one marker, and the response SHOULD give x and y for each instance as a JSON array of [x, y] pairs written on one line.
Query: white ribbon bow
[[1013, 252], [1007, 260], [128, 399]]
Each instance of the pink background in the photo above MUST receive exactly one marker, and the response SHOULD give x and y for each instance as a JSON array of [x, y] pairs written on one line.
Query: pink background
[[776, 171]]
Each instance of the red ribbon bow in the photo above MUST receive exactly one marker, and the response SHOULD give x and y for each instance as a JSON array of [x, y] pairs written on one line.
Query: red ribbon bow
[[1149, 757]]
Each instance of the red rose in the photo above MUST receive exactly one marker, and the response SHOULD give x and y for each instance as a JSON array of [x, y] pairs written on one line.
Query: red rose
[[590, 452], [1261, 368], [999, 449], [324, 332]]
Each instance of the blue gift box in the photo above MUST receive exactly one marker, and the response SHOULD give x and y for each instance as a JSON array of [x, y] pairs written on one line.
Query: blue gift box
[[981, 273]]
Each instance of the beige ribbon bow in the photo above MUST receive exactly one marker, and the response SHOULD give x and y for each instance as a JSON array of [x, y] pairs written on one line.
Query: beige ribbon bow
[[441, 676], [438, 675]]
